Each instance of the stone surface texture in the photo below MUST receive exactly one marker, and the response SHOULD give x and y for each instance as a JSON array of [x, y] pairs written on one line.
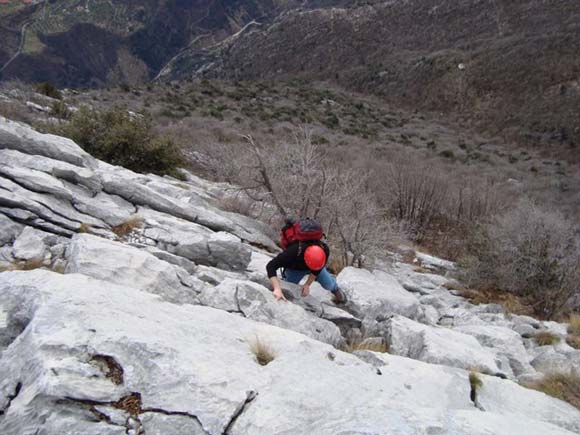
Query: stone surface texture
[[147, 310]]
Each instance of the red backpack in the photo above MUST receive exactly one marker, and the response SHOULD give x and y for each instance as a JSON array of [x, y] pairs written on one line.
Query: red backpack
[[302, 230]]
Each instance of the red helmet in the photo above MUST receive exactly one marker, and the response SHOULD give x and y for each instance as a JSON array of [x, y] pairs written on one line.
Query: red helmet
[[314, 257]]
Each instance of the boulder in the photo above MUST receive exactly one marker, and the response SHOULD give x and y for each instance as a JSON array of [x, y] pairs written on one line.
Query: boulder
[[438, 345], [121, 264], [550, 361], [505, 343], [30, 245], [376, 295], [256, 302], [435, 263], [222, 250], [228, 252]]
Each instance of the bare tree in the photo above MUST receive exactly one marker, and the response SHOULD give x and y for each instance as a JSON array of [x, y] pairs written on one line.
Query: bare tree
[[531, 252]]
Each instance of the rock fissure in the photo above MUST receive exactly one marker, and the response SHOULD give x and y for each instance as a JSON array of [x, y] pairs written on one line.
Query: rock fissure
[[49, 227], [182, 413], [11, 397], [29, 188], [250, 396]]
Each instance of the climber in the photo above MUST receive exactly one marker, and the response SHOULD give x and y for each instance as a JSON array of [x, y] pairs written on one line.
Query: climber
[[304, 254]]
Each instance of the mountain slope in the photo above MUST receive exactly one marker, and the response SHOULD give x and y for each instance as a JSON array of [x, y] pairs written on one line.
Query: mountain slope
[[503, 65], [97, 42]]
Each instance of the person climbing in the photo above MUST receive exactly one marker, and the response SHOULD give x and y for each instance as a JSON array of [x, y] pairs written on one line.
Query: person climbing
[[304, 254]]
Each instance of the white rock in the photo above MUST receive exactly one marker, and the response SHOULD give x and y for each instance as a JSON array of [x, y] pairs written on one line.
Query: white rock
[[21, 137], [430, 315], [434, 262], [559, 329], [36, 181], [228, 252], [30, 244], [438, 345], [196, 361], [504, 342], [111, 209], [377, 295], [121, 264], [9, 230], [54, 210], [550, 361], [257, 303], [505, 397], [62, 170], [155, 423]]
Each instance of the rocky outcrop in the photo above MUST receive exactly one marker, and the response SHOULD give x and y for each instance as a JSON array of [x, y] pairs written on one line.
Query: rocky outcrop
[[132, 304], [166, 366]]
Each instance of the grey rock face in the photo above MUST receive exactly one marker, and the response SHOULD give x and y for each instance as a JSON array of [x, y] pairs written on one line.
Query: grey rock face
[[377, 295], [438, 345], [20, 137], [194, 365], [30, 244], [550, 361], [120, 264], [255, 302], [505, 343], [116, 345], [9, 230]]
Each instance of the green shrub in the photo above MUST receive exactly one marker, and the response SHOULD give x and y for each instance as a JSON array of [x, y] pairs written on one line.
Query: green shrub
[[120, 138], [48, 89]]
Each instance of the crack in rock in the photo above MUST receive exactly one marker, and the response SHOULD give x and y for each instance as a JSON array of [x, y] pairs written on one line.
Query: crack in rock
[[250, 396], [182, 413], [17, 390]]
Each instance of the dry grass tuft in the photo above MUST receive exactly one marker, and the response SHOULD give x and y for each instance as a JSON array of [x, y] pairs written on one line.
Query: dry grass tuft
[[546, 338], [335, 264], [35, 263], [574, 327], [111, 368], [475, 381], [510, 302], [84, 228], [561, 386], [372, 344], [263, 352], [131, 404], [454, 285], [421, 269], [124, 229], [574, 341]]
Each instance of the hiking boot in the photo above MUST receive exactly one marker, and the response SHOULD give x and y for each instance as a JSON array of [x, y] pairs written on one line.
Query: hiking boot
[[338, 297]]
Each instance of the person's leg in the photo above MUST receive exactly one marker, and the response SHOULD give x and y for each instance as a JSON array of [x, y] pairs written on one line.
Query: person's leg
[[293, 275], [326, 280]]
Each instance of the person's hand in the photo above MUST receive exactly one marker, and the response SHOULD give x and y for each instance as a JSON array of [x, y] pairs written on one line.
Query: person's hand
[[305, 290], [279, 295]]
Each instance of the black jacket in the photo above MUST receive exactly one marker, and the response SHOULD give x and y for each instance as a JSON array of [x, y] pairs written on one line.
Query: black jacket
[[293, 258]]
